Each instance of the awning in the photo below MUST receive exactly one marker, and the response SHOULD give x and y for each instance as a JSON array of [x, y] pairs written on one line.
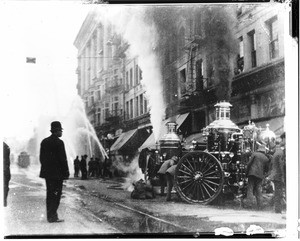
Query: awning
[[181, 118], [150, 142], [123, 138]]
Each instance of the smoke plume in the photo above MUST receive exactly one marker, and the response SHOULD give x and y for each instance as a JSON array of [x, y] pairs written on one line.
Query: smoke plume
[[129, 22]]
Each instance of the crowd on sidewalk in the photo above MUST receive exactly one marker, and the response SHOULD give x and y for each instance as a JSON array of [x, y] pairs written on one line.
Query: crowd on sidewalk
[[95, 167]]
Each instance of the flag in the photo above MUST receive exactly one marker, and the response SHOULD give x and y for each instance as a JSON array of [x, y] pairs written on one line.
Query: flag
[[30, 60]]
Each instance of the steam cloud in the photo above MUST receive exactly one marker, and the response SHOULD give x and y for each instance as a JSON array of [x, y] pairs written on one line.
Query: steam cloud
[[130, 23]]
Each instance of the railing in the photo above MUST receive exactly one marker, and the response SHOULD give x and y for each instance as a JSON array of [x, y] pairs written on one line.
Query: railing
[[114, 116], [258, 77]]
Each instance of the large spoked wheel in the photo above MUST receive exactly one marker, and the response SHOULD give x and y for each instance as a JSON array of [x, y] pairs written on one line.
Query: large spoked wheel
[[199, 177]]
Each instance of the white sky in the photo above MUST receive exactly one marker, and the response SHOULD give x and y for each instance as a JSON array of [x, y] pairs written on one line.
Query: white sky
[[45, 30]]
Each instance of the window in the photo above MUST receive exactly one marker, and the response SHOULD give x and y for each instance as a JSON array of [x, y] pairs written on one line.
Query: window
[[106, 113], [131, 76], [199, 74], [106, 83], [131, 108], [92, 98], [240, 58], [98, 94], [127, 110], [126, 80], [273, 35], [141, 73], [136, 106], [99, 117], [141, 104], [136, 75], [252, 43], [115, 109], [182, 76], [145, 106]]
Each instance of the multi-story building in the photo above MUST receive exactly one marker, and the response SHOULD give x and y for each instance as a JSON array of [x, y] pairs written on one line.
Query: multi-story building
[[110, 85], [257, 89], [207, 54]]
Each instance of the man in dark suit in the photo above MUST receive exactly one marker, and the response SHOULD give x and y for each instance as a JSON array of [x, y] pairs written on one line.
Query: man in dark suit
[[257, 167], [6, 171], [278, 174], [54, 168]]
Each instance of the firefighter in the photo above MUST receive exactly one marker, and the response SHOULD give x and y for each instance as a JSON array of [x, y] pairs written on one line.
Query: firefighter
[[167, 170], [256, 169], [278, 174], [76, 166], [83, 167], [6, 171]]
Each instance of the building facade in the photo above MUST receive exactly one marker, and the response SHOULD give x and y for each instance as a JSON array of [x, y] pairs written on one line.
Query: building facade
[[258, 87], [207, 54]]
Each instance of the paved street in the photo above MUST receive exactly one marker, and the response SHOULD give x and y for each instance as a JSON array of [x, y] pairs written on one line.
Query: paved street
[[101, 207], [25, 214]]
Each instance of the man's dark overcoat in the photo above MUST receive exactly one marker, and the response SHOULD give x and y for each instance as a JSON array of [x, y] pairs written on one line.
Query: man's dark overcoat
[[278, 166], [258, 165], [53, 159]]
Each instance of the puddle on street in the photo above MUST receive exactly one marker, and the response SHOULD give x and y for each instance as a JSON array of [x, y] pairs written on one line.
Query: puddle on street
[[204, 225], [137, 223], [129, 221]]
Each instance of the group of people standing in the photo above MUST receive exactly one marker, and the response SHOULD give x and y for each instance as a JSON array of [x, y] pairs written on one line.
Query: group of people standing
[[261, 167], [94, 168]]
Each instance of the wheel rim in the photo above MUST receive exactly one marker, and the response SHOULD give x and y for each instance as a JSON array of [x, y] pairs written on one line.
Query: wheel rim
[[199, 177]]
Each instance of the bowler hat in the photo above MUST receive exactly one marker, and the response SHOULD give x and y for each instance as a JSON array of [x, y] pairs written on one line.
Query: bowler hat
[[56, 126]]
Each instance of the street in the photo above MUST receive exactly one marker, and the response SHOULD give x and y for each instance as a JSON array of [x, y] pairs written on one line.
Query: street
[[98, 207]]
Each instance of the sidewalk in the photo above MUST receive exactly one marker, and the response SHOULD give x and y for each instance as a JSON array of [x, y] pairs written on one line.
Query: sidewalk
[[25, 213]]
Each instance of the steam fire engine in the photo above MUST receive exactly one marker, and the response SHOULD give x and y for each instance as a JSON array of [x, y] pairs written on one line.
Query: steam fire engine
[[216, 168]]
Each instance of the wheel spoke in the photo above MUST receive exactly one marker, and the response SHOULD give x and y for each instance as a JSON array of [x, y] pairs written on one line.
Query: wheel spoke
[[217, 184], [194, 163], [185, 172], [189, 180], [184, 177], [188, 191], [197, 192], [206, 190], [193, 190], [210, 167], [212, 177], [203, 196], [207, 174], [187, 168], [206, 162], [209, 187], [192, 168]]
